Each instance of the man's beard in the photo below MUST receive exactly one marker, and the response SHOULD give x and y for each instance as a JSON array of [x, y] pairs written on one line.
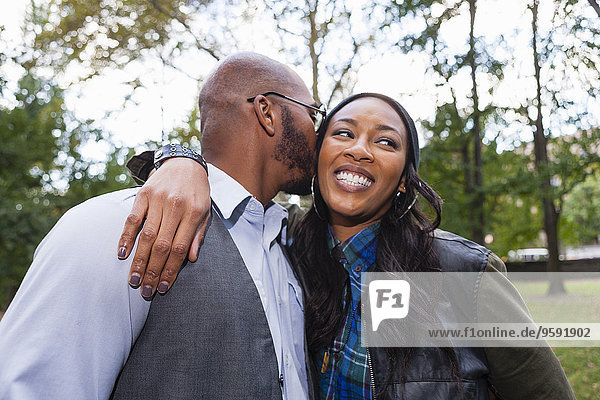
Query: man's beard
[[295, 153]]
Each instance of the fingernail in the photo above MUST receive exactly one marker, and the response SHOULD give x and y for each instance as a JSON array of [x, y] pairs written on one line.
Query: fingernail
[[134, 280], [162, 287], [122, 252], [147, 291]]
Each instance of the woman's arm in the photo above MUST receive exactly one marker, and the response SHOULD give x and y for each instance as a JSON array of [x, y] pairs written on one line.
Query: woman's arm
[[170, 213]]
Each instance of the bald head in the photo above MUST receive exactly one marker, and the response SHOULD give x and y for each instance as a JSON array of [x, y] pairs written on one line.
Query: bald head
[[235, 79], [259, 144]]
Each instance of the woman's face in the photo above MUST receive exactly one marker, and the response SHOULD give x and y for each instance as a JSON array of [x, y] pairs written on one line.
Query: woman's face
[[361, 162]]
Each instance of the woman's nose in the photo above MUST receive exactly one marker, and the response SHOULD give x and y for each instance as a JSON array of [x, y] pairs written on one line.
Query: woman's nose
[[359, 150]]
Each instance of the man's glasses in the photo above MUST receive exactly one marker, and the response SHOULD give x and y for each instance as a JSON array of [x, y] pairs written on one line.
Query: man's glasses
[[318, 117]]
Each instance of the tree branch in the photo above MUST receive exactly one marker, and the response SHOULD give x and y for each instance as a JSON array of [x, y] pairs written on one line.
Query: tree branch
[[170, 64], [595, 6], [178, 18], [338, 83]]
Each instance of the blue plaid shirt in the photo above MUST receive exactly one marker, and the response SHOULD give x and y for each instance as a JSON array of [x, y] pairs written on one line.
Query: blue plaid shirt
[[343, 367]]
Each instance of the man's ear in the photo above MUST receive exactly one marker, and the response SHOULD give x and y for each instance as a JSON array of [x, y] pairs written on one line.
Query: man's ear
[[265, 114], [401, 187]]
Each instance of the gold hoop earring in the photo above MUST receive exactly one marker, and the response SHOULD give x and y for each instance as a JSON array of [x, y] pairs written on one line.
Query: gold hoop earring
[[314, 198]]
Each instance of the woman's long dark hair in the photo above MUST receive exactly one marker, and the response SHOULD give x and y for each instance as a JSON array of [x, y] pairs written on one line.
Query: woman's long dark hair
[[404, 243]]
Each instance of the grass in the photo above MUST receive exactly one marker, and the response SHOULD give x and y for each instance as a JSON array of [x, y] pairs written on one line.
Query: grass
[[580, 304], [582, 366]]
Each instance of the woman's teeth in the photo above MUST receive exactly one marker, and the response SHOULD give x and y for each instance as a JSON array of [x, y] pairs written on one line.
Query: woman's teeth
[[353, 179]]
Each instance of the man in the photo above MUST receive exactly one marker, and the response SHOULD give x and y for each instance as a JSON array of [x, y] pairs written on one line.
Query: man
[[232, 326]]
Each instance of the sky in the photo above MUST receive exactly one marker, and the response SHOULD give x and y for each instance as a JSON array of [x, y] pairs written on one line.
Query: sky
[[169, 95]]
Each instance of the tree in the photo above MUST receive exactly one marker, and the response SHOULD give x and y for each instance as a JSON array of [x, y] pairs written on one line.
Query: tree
[[335, 36], [478, 202], [42, 174], [27, 154], [595, 6], [113, 34], [541, 163], [578, 57], [459, 123], [510, 208]]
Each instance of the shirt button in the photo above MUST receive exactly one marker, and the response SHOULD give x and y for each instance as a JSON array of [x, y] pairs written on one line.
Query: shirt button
[[251, 206], [337, 356], [358, 268], [338, 253]]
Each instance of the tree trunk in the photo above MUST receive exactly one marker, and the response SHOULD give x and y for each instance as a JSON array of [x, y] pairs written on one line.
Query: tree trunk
[[595, 6], [478, 202], [314, 57], [466, 157], [541, 163]]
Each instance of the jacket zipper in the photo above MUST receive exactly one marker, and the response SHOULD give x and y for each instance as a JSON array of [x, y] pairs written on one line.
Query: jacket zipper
[[368, 355], [371, 373]]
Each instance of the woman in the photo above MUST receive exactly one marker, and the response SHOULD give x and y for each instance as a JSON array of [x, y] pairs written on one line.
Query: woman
[[364, 208], [365, 218]]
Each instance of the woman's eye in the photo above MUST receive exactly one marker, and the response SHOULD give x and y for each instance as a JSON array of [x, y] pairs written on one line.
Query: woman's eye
[[343, 134], [388, 142]]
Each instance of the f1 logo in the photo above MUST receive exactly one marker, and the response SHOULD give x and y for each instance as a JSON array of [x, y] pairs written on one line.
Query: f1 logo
[[389, 300]]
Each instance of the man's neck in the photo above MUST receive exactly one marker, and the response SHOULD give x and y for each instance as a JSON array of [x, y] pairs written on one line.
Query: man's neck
[[251, 176]]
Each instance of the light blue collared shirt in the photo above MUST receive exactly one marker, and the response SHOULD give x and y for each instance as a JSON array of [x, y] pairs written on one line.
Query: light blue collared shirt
[[73, 322]]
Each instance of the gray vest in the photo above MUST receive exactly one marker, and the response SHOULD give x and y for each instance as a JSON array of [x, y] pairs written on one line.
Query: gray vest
[[208, 337]]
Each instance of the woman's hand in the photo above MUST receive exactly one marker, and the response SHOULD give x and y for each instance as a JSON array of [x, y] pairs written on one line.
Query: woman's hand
[[172, 210]]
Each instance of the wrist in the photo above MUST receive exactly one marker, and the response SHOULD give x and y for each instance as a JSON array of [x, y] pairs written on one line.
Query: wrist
[[176, 150]]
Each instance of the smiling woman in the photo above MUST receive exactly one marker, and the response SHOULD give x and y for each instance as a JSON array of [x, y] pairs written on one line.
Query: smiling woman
[[365, 219]]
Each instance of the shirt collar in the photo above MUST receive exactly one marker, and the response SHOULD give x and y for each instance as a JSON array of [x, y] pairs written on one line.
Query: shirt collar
[[362, 239], [360, 247], [226, 192]]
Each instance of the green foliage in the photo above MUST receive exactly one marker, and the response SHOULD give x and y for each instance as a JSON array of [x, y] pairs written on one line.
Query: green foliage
[[573, 159], [42, 173], [581, 213], [511, 208], [113, 33], [511, 187], [28, 151], [28, 135], [513, 211]]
